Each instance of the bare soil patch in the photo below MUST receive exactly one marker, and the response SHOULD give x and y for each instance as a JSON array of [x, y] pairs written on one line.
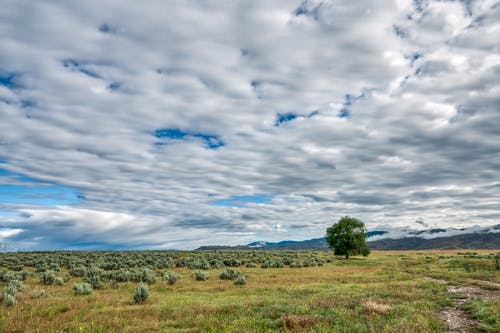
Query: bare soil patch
[[456, 319]]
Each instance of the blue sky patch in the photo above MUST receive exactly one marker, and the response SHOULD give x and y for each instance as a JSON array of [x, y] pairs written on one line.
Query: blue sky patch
[[77, 66], [15, 177], [170, 133], [9, 79], [4, 213], [16, 188], [344, 113], [51, 195], [241, 200], [212, 141], [282, 118], [349, 100]]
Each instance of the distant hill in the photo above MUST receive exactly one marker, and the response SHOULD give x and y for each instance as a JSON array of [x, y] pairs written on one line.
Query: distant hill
[[479, 240], [466, 241], [310, 244]]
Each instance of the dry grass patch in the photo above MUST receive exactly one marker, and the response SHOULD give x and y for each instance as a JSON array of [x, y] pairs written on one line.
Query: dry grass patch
[[294, 321], [373, 307]]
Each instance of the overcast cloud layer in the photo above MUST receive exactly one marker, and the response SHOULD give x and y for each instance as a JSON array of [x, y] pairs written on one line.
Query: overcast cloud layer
[[153, 124]]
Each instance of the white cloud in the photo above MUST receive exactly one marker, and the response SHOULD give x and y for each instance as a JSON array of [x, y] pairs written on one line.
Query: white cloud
[[423, 112]]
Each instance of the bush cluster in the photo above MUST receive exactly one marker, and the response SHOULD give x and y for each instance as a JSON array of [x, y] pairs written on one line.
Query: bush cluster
[[240, 281], [171, 277], [82, 289], [48, 277], [200, 276], [140, 266], [229, 274], [145, 275], [10, 291], [273, 264], [141, 294], [97, 268]]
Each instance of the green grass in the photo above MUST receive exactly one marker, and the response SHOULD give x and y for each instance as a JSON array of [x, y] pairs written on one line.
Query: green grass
[[386, 292], [488, 312]]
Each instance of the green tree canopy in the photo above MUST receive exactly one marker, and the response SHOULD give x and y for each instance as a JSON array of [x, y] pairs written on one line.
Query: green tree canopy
[[347, 237]]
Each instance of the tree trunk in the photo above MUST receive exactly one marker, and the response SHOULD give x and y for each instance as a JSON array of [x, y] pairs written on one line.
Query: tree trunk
[[347, 256]]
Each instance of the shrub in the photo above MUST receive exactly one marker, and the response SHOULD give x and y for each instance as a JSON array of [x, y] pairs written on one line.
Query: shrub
[[229, 274], [232, 262], [94, 277], [196, 263], [41, 267], [147, 275], [48, 277], [59, 281], [16, 268], [308, 263], [121, 275], [94, 281], [137, 275], [240, 281], [272, 264], [23, 275], [201, 276], [141, 294], [10, 291], [79, 270], [82, 289], [216, 263], [9, 300], [171, 277], [54, 267], [15, 285]]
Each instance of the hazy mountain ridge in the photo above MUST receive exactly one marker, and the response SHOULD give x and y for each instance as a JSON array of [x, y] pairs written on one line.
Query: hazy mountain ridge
[[464, 242], [467, 238]]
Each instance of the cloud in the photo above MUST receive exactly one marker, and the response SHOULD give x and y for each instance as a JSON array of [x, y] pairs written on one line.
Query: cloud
[[404, 232], [387, 111]]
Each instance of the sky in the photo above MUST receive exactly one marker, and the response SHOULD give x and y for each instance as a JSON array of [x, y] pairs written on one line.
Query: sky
[[175, 124]]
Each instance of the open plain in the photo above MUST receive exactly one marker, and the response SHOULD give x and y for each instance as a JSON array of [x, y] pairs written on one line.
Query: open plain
[[282, 291]]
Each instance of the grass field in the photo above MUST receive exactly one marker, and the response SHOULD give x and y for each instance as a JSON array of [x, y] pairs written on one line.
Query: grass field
[[385, 292]]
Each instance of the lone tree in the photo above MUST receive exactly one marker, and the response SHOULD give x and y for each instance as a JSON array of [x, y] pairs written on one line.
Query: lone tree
[[347, 237]]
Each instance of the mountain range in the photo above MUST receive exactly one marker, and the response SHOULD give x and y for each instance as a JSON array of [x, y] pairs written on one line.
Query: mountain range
[[394, 239]]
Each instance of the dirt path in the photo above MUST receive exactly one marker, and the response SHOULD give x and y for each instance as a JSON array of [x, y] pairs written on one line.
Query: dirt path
[[457, 319]]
